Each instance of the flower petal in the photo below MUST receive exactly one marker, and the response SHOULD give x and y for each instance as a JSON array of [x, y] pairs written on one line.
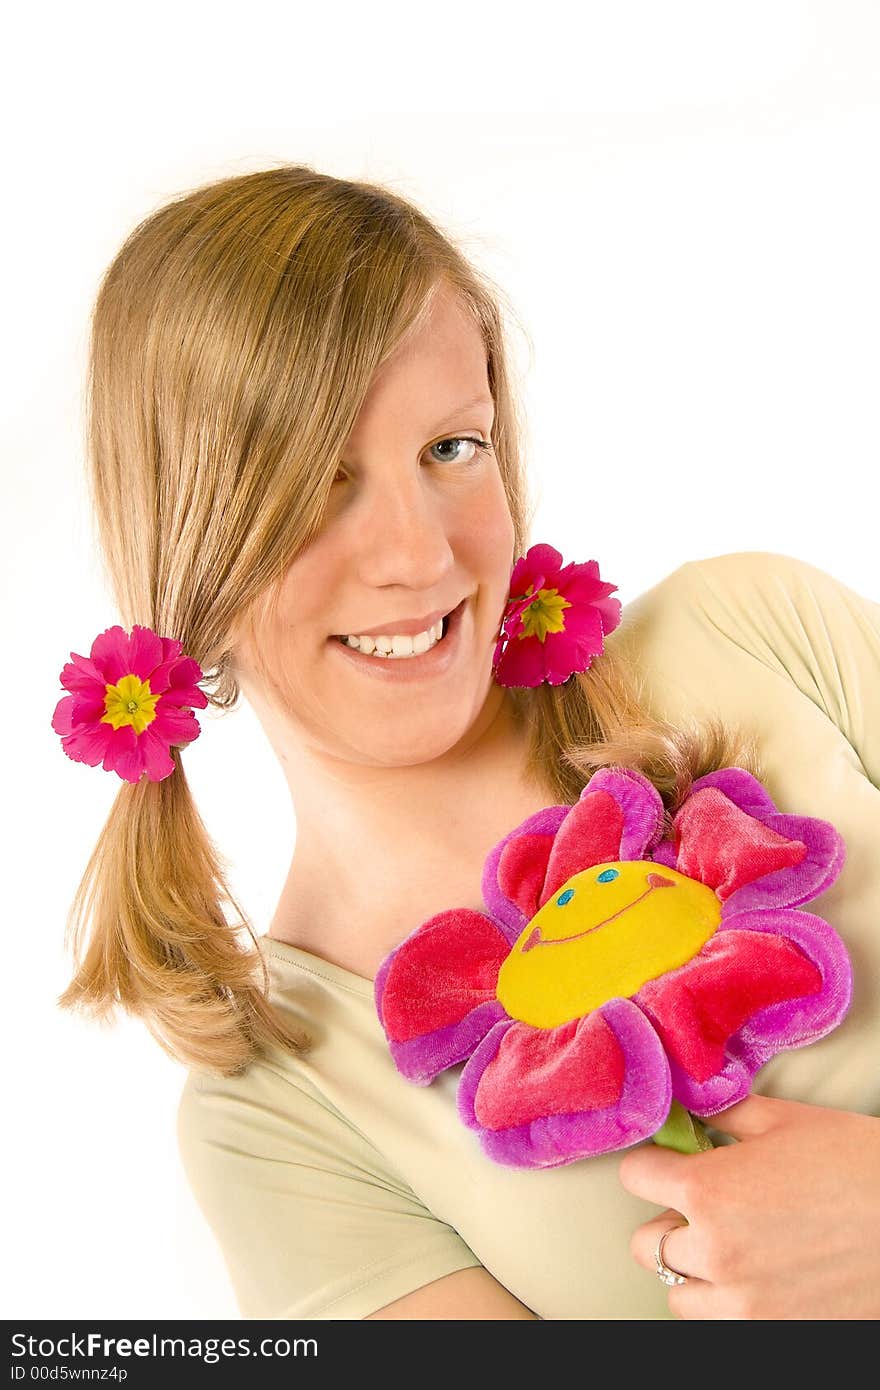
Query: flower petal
[[439, 973], [87, 743], [123, 754], [542, 1097], [81, 676], [420, 1059], [789, 887], [145, 651], [508, 905], [724, 847], [155, 757], [619, 815], [664, 853], [740, 787], [786, 887], [521, 663], [764, 982], [174, 725], [110, 653]]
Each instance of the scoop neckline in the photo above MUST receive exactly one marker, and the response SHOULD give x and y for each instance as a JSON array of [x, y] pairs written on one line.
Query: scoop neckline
[[317, 965]]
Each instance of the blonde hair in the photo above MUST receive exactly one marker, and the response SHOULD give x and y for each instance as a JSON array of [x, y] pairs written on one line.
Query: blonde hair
[[233, 340]]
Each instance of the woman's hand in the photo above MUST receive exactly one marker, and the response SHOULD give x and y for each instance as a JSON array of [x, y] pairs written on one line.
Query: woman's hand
[[783, 1224]]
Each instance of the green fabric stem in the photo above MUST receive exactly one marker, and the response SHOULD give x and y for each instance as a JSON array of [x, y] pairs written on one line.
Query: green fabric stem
[[682, 1131]]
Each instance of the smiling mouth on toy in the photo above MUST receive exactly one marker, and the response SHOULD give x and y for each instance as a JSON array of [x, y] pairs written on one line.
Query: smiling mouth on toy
[[534, 937]]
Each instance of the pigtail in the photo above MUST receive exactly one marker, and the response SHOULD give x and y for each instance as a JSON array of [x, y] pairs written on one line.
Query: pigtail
[[160, 944]]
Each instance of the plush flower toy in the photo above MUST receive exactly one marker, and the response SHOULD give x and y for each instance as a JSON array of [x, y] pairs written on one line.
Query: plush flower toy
[[620, 981], [616, 972]]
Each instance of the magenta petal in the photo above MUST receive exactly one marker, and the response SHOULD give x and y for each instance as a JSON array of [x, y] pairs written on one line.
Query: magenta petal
[[435, 993], [145, 652], [156, 758], [110, 654], [173, 725], [539, 561], [786, 887], [522, 663], [87, 709], [88, 744], [557, 1138], [81, 676], [183, 688], [62, 719], [583, 628], [666, 853], [123, 755]]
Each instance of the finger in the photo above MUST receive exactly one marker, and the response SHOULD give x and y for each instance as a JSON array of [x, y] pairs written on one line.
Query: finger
[[752, 1116], [679, 1247], [658, 1174]]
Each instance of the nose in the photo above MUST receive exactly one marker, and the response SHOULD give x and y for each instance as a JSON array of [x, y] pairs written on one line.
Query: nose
[[404, 539]]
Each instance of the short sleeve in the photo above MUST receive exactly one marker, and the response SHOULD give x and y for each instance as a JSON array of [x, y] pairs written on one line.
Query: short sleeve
[[310, 1219]]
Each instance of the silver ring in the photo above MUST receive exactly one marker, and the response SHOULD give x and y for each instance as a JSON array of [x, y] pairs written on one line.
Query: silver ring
[[664, 1272]]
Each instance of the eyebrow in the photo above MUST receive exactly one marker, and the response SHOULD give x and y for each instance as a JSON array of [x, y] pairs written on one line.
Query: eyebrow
[[465, 405]]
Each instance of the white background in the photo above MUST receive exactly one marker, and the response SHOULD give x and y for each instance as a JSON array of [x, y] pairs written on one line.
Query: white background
[[681, 203]]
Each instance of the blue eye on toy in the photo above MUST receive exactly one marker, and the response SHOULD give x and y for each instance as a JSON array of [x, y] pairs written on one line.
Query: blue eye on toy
[[607, 875], [565, 897]]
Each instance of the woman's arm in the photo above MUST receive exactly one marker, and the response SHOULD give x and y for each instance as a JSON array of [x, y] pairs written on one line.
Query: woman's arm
[[466, 1294], [785, 1223]]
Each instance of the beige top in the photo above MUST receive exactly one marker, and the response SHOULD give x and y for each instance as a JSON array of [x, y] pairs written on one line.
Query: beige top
[[334, 1186]]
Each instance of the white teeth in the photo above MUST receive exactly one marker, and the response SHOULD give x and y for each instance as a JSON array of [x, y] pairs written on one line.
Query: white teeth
[[393, 646]]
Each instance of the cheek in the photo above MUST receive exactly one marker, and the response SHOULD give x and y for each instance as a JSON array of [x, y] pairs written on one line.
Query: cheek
[[485, 531]]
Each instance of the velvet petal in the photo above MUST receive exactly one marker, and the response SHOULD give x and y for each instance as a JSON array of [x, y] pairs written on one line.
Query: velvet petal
[[501, 903], [740, 787], [421, 1059], [725, 848], [619, 815], [437, 974], [785, 887], [608, 1068], [767, 980]]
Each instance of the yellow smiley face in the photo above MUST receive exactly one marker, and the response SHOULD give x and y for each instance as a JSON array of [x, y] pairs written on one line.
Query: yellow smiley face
[[606, 932]]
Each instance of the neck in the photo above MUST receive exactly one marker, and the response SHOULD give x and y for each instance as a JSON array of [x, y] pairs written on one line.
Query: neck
[[379, 850]]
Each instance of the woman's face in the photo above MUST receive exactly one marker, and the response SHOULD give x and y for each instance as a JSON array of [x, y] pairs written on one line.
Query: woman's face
[[417, 526]]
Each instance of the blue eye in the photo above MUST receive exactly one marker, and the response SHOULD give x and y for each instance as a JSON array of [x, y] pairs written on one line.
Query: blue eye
[[607, 875], [565, 897]]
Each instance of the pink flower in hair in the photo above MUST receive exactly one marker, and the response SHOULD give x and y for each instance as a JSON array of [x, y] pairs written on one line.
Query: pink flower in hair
[[130, 702], [555, 619]]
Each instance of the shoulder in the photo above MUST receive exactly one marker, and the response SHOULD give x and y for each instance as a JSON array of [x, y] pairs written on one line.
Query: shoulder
[[735, 577], [265, 1113], [761, 636], [756, 603]]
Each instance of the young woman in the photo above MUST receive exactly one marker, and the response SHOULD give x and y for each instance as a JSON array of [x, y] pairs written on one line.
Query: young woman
[[303, 429]]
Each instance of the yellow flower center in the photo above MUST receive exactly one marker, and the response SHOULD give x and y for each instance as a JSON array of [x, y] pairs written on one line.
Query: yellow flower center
[[544, 614], [130, 701], [608, 931]]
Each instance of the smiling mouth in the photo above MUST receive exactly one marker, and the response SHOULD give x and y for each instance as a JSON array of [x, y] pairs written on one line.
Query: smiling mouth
[[534, 937]]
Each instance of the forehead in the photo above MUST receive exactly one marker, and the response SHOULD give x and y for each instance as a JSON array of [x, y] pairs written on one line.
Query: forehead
[[438, 369]]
